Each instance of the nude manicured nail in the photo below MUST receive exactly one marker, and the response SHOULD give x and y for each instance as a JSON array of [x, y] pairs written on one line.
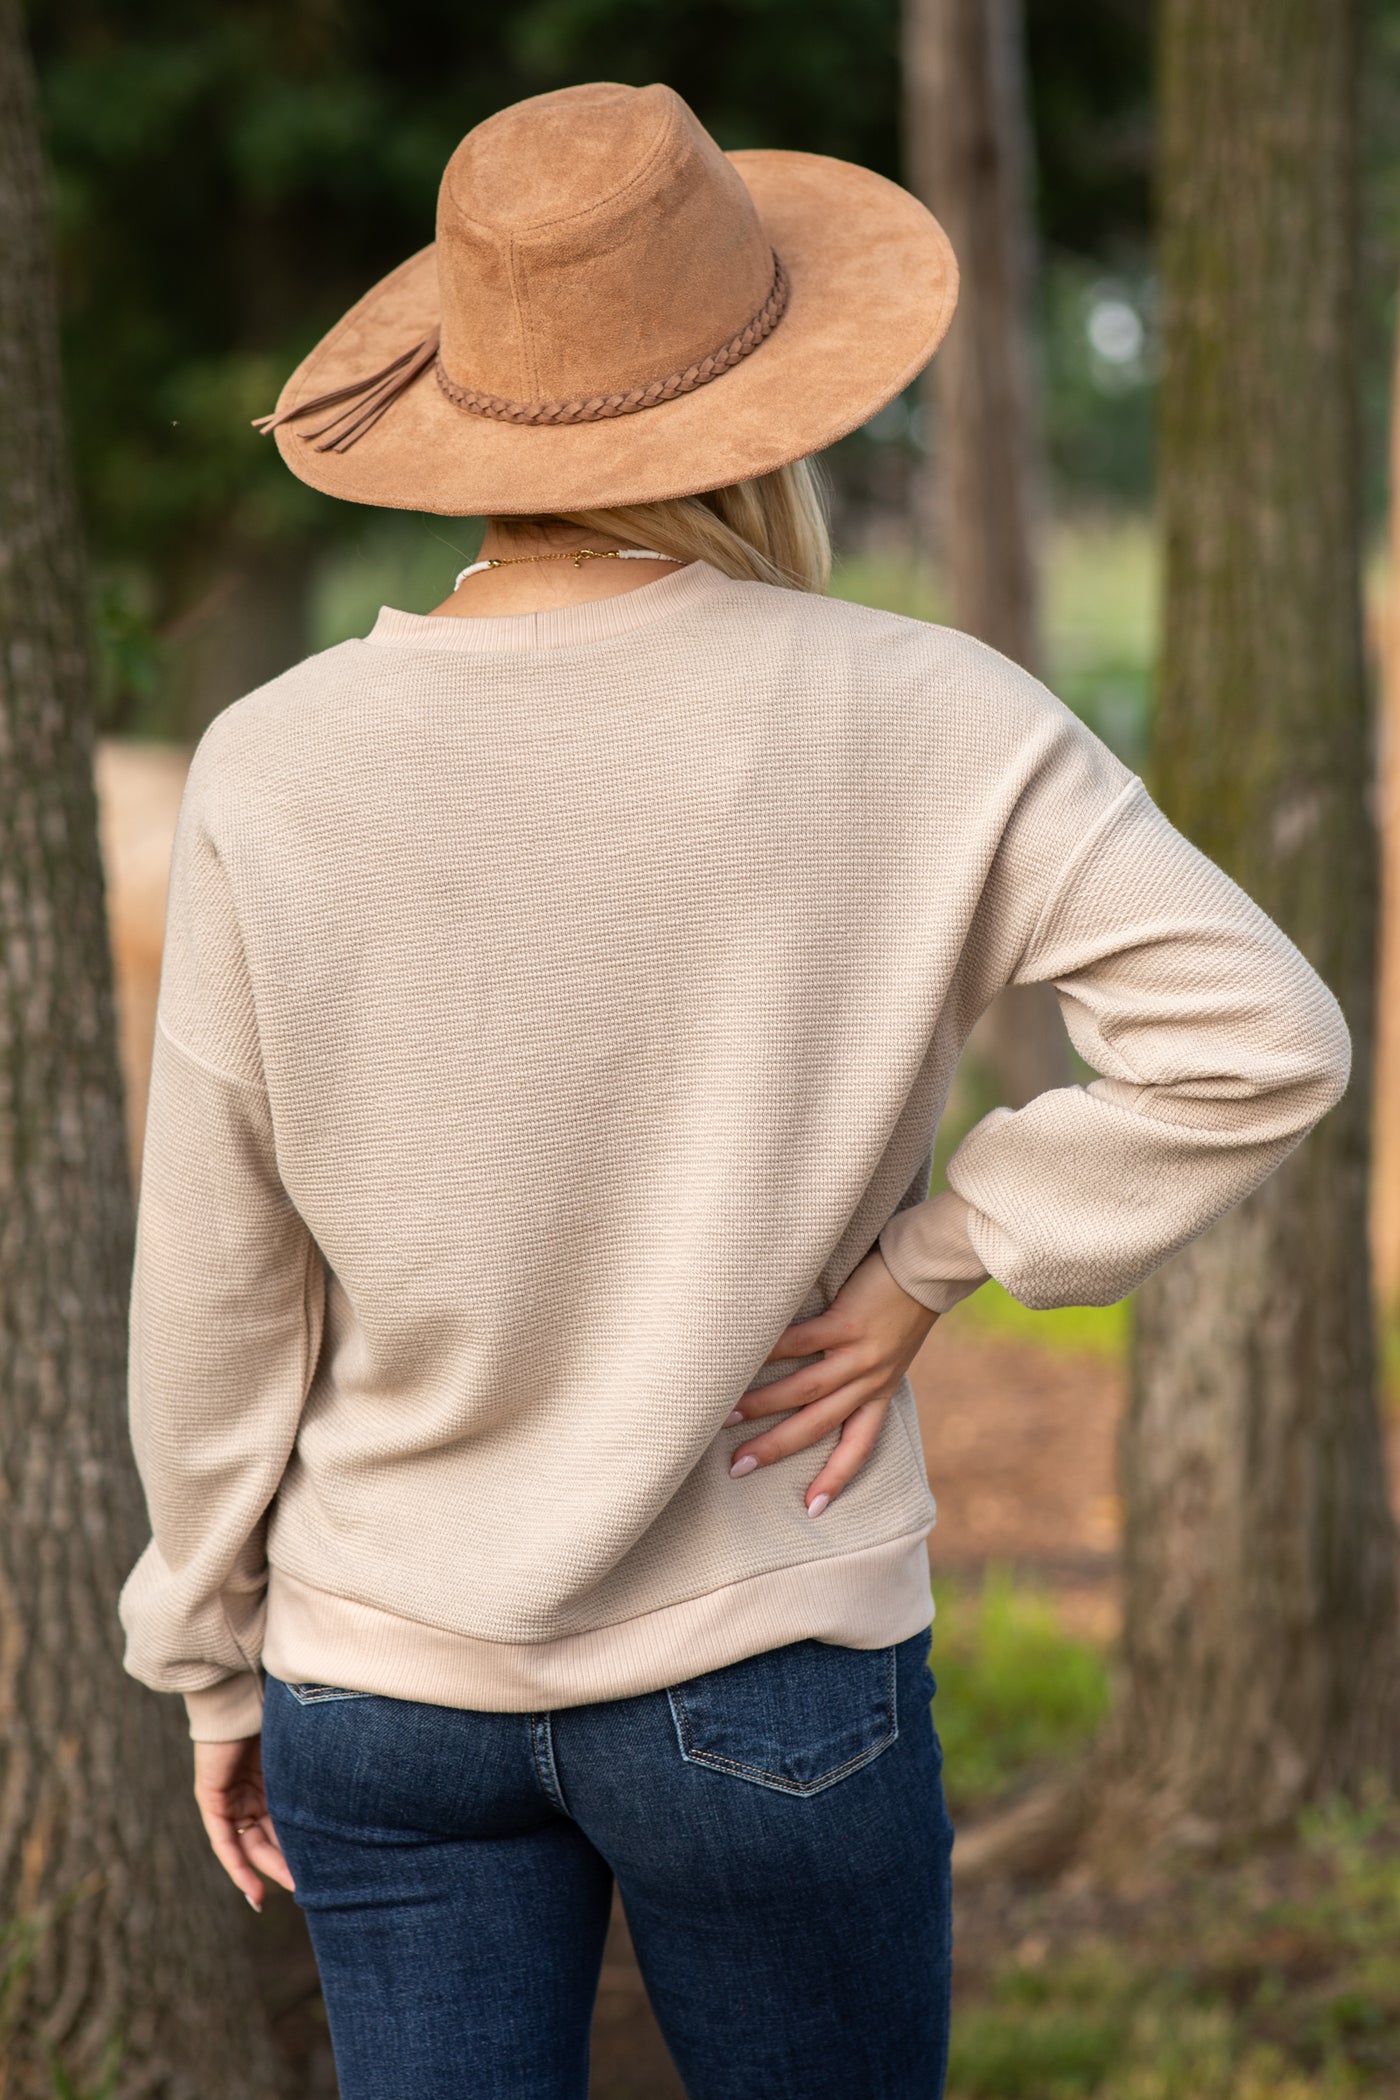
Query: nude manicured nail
[[742, 1465], [817, 1505], [256, 1905], [730, 1420]]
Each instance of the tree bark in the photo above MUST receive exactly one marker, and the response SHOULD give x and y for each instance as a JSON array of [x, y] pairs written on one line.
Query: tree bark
[[1385, 1198], [123, 1941], [1258, 1657], [968, 150]]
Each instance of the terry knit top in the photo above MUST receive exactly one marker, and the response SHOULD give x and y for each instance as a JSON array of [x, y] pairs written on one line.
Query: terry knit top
[[554, 1007]]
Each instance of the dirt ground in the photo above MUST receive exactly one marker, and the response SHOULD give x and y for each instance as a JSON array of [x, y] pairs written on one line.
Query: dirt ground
[[1020, 1449]]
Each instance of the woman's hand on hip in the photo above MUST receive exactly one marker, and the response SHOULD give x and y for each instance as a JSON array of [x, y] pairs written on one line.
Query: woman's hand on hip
[[228, 1786], [868, 1335]]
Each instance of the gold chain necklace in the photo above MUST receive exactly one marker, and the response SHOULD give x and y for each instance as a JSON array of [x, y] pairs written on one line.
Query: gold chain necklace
[[506, 561], [577, 557]]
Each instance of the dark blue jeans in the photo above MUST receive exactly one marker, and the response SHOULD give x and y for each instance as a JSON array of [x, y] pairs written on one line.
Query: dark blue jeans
[[777, 1830]]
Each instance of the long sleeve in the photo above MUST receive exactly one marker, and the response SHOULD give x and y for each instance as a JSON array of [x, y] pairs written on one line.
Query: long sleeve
[[226, 1310], [1217, 1045]]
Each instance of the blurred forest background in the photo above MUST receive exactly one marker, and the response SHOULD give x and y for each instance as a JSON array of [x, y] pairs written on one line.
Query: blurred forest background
[[224, 182], [227, 184]]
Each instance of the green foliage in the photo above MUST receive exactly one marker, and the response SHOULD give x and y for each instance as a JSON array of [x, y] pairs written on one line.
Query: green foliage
[[1277, 1978], [408, 560], [1271, 1977], [228, 181], [1016, 1694], [131, 656], [1097, 414], [1090, 1330], [1390, 1361]]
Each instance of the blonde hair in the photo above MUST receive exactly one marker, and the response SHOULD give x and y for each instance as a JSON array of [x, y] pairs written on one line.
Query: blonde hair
[[772, 529]]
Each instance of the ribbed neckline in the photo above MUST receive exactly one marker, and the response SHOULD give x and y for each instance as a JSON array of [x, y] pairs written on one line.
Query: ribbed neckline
[[596, 621]]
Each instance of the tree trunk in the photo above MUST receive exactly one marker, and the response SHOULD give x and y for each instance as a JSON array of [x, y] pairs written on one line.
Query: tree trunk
[[121, 1935], [968, 150], [1260, 1607], [1385, 1199]]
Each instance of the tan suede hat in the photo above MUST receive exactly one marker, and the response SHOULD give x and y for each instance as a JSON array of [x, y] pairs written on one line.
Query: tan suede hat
[[615, 311]]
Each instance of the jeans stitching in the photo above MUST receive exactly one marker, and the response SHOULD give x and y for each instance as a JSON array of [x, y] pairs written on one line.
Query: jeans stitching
[[322, 1694], [546, 1771], [758, 1774]]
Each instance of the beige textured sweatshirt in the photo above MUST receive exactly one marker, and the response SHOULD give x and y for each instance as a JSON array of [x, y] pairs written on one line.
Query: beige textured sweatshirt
[[553, 1008]]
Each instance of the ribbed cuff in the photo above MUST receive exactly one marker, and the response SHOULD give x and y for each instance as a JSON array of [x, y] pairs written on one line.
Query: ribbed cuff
[[929, 1254], [227, 1711]]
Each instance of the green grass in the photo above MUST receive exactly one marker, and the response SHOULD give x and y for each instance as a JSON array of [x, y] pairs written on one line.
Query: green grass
[[1390, 1360], [1272, 1977], [1275, 1979], [1101, 609], [1105, 1331], [1016, 1694], [1094, 1330], [1100, 617], [894, 583]]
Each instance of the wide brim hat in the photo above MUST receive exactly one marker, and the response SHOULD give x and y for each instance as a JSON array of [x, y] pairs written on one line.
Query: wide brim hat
[[616, 312]]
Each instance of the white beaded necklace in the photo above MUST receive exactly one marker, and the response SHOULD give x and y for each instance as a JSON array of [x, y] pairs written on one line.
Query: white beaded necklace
[[578, 557]]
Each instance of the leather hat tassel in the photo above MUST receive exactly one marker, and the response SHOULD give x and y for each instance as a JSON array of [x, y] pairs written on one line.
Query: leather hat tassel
[[366, 399]]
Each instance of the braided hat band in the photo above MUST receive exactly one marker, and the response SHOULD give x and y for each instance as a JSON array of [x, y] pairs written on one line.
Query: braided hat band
[[601, 406], [365, 400]]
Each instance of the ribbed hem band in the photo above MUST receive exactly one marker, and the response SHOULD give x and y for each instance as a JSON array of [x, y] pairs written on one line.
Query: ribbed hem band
[[856, 1600]]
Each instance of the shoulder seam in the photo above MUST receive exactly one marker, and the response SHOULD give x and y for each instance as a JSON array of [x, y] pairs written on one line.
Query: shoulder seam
[[256, 1086], [1132, 786]]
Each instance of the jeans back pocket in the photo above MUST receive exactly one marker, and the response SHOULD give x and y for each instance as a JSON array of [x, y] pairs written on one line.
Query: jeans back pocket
[[314, 1694], [797, 1718]]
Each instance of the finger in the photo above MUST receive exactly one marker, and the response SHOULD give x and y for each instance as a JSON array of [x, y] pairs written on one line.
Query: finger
[[813, 1382], [854, 1446], [796, 1388], [805, 1337], [231, 1857], [808, 1426], [260, 1845]]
